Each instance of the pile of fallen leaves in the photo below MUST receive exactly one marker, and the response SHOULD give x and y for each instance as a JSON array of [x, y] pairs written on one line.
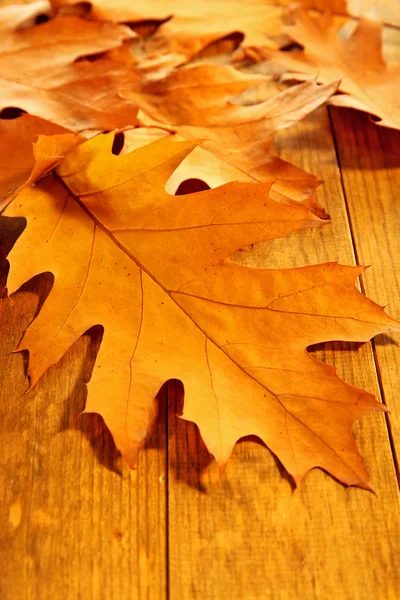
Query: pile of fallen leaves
[[108, 109]]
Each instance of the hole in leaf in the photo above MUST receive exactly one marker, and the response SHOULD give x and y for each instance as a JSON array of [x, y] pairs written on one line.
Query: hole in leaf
[[39, 19], [11, 112], [224, 45], [292, 47], [90, 57], [190, 186], [146, 28], [118, 143]]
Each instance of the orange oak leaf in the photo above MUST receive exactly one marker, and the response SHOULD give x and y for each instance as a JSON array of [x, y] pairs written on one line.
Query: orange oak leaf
[[204, 102], [202, 167], [39, 73], [370, 84], [154, 271], [187, 28]]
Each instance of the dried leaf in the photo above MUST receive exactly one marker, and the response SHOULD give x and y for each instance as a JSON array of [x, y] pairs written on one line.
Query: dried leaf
[[17, 157], [187, 28], [385, 10], [369, 83], [154, 270], [204, 167], [48, 152], [38, 74], [202, 102], [14, 16]]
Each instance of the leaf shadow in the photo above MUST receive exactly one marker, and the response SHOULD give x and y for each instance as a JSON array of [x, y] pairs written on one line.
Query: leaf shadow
[[189, 461], [188, 457], [90, 425], [324, 347], [365, 144], [385, 339], [10, 230]]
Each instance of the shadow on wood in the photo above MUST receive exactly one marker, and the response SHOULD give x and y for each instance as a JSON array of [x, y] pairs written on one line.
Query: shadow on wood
[[381, 144], [188, 458]]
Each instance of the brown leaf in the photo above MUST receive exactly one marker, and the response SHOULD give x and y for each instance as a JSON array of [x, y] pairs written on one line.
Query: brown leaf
[[38, 74], [154, 270], [187, 28], [203, 102], [369, 83]]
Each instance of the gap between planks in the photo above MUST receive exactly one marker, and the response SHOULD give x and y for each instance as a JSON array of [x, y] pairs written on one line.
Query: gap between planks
[[332, 120]]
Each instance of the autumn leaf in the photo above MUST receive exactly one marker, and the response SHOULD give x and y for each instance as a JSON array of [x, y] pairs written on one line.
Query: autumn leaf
[[187, 28], [14, 16], [39, 73], [369, 83], [17, 153], [204, 169], [385, 10], [154, 271], [203, 102]]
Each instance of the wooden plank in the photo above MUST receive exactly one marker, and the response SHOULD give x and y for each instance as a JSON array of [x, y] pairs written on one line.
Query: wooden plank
[[370, 160], [250, 537], [75, 522]]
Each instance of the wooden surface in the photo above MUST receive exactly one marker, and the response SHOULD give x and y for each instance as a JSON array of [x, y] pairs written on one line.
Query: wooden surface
[[77, 524]]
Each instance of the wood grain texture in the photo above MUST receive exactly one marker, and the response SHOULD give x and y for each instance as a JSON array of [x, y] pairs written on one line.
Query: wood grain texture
[[250, 536], [75, 522], [369, 157]]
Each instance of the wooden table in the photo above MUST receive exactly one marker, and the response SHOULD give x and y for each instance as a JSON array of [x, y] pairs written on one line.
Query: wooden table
[[75, 523]]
